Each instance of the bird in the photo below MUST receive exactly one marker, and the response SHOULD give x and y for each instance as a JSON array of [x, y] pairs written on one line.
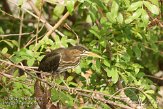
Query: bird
[[61, 59], [56, 62]]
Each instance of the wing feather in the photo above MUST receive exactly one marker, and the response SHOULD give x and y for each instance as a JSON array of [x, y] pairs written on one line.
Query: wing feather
[[50, 62]]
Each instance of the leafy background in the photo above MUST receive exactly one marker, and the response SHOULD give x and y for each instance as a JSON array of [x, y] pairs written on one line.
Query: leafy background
[[126, 33]]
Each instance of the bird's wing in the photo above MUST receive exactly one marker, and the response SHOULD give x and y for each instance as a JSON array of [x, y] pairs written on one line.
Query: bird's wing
[[50, 62]]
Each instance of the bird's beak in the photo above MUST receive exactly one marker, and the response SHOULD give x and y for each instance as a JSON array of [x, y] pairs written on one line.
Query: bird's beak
[[87, 53]]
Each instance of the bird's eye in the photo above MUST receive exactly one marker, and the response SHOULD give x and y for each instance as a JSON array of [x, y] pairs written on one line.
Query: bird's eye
[[84, 51]]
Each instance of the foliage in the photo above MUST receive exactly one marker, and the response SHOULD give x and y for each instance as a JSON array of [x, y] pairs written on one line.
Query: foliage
[[118, 30]]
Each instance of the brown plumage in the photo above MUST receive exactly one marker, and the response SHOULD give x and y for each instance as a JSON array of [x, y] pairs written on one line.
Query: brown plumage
[[61, 59]]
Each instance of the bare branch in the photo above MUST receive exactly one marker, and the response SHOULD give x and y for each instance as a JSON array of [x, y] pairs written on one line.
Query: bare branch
[[9, 35]]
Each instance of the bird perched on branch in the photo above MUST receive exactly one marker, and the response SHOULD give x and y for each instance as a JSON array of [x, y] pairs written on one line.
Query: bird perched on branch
[[61, 59], [58, 61]]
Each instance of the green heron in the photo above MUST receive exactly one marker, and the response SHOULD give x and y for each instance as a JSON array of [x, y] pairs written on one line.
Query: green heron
[[58, 61], [61, 59]]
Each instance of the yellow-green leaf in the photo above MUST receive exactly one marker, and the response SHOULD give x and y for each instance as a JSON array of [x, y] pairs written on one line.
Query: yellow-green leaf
[[135, 6], [153, 8]]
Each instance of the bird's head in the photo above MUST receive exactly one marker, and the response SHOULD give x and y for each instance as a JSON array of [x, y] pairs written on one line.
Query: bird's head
[[80, 51]]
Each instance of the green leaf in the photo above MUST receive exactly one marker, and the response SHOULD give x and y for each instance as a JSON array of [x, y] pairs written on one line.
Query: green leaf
[[115, 76], [110, 17], [140, 75], [106, 62], [103, 20], [92, 15], [137, 51], [131, 77], [8, 42], [124, 77], [155, 2], [30, 62], [72, 42], [112, 73], [135, 6], [66, 99], [149, 92], [114, 9], [57, 11], [154, 47], [137, 14], [134, 16], [30, 53], [70, 78], [153, 102], [120, 18], [103, 43], [78, 69], [15, 43], [16, 59], [93, 31], [4, 50], [1, 30], [64, 41], [127, 2], [153, 8], [129, 20], [70, 6], [101, 4], [55, 94], [145, 17]]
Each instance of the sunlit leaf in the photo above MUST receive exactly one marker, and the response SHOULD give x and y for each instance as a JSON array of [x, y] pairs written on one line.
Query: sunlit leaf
[[134, 16], [127, 2], [114, 9], [145, 17], [70, 78], [120, 18], [155, 2], [135, 6], [58, 10], [110, 17], [30, 62], [70, 6], [106, 63], [153, 8], [153, 102], [113, 73], [4, 50], [149, 92]]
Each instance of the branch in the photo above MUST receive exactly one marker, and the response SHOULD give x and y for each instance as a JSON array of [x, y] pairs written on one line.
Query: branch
[[78, 91], [41, 18], [20, 29], [8, 35]]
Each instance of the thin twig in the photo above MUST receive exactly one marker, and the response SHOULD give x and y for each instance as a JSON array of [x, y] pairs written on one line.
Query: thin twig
[[57, 25], [9, 35], [38, 22], [6, 75], [158, 78], [9, 15], [20, 29], [70, 29], [42, 19]]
